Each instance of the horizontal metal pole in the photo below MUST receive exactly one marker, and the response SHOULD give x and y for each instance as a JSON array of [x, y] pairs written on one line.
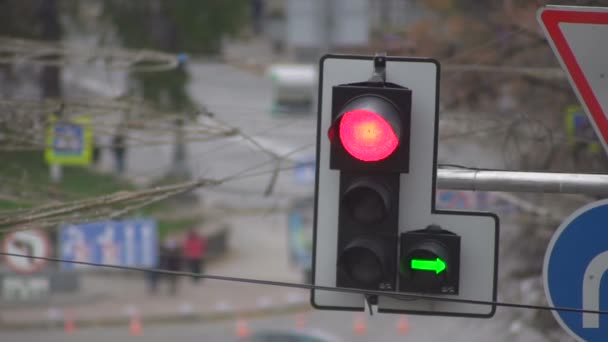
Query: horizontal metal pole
[[519, 181]]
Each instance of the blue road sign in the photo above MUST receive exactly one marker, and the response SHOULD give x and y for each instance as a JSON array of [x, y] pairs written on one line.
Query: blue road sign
[[124, 243], [304, 170], [69, 143], [68, 139], [575, 263], [299, 232]]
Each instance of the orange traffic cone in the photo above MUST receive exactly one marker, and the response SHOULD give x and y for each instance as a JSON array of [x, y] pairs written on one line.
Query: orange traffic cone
[[300, 322], [403, 325], [360, 326], [135, 328], [242, 328], [69, 326]]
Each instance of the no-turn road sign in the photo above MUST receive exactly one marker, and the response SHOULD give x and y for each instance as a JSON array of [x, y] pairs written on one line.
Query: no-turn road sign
[[34, 243]]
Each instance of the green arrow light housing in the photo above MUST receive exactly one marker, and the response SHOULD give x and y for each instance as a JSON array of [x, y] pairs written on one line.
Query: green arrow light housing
[[429, 261]]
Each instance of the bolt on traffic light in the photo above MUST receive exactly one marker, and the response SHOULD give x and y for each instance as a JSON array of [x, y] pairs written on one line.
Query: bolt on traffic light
[[370, 147]]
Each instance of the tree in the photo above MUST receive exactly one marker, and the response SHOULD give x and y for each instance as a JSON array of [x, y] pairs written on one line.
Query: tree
[[35, 19], [174, 26]]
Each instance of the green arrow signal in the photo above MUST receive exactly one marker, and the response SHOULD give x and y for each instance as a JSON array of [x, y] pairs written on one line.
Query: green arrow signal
[[437, 265]]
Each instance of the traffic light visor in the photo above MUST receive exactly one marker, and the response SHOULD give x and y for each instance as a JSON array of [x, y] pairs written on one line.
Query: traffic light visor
[[367, 136]]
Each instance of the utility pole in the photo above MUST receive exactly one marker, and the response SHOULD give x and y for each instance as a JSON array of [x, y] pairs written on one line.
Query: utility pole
[[327, 13], [50, 78]]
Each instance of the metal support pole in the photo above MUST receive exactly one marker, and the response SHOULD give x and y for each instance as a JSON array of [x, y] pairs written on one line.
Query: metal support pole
[[517, 181]]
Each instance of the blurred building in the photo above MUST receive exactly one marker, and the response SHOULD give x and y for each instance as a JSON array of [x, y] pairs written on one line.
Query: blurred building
[[310, 28], [395, 14]]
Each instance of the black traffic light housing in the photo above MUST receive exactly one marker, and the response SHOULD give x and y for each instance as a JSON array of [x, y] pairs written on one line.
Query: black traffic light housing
[[368, 231], [375, 112], [429, 261]]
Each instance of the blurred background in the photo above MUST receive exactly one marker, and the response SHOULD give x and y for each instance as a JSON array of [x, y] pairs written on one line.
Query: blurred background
[[212, 104]]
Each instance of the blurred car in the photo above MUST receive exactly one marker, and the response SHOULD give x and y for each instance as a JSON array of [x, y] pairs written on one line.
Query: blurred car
[[290, 336], [293, 88]]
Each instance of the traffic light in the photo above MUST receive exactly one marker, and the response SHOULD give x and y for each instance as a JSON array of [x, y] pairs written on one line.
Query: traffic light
[[370, 147], [429, 261], [376, 226]]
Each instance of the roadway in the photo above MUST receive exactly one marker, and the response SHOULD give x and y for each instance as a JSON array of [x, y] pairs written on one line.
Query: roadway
[[336, 326]]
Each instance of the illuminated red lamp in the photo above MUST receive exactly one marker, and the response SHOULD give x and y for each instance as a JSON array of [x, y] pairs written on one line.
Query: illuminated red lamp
[[367, 136]]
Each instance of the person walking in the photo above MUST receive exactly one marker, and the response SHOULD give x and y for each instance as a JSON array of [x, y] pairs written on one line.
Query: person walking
[[151, 276], [119, 148], [171, 260], [257, 15], [96, 157], [195, 247]]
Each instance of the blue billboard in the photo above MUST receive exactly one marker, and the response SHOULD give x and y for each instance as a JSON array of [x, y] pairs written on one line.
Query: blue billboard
[[299, 233], [304, 170], [122, 243]]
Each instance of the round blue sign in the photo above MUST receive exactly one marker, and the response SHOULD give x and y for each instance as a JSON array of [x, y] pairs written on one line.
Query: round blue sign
[[575, 264]]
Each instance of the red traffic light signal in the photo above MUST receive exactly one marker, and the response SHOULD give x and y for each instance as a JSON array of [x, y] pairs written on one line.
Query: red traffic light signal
[[367, 136], [370, 130]]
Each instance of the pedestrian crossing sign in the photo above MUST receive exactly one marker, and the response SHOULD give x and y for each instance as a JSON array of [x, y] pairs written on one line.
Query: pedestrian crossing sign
[[69, 142]]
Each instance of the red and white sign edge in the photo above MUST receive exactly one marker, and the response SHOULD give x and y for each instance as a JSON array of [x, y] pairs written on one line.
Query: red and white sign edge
[[551, 19], [35, 265]]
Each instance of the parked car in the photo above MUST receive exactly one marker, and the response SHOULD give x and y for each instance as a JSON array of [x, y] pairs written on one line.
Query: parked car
[[313, 335]]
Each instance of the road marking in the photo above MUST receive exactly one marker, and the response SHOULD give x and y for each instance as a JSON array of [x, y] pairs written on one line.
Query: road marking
[[186, 309], [294, 297], [223, 306], [591, 289], [129, 310], [264, 302]]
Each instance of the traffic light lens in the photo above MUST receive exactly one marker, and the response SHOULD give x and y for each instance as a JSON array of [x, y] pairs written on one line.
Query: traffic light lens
[[367, 136], [366, 203], [362, 265]]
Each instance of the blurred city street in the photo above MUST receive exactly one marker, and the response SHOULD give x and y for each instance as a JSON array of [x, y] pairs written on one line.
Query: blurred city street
[[335, 326], [180, 136], [258, 236]]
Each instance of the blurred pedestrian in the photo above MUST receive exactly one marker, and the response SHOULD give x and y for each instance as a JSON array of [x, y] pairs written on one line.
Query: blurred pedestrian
[[171, 260], [195, 247], [152, 280], [96, 151], [257, 15], [120, 149], [151, 276]]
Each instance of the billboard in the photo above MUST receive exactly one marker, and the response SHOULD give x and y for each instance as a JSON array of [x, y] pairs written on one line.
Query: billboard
[[299, 233], [121, 243]]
